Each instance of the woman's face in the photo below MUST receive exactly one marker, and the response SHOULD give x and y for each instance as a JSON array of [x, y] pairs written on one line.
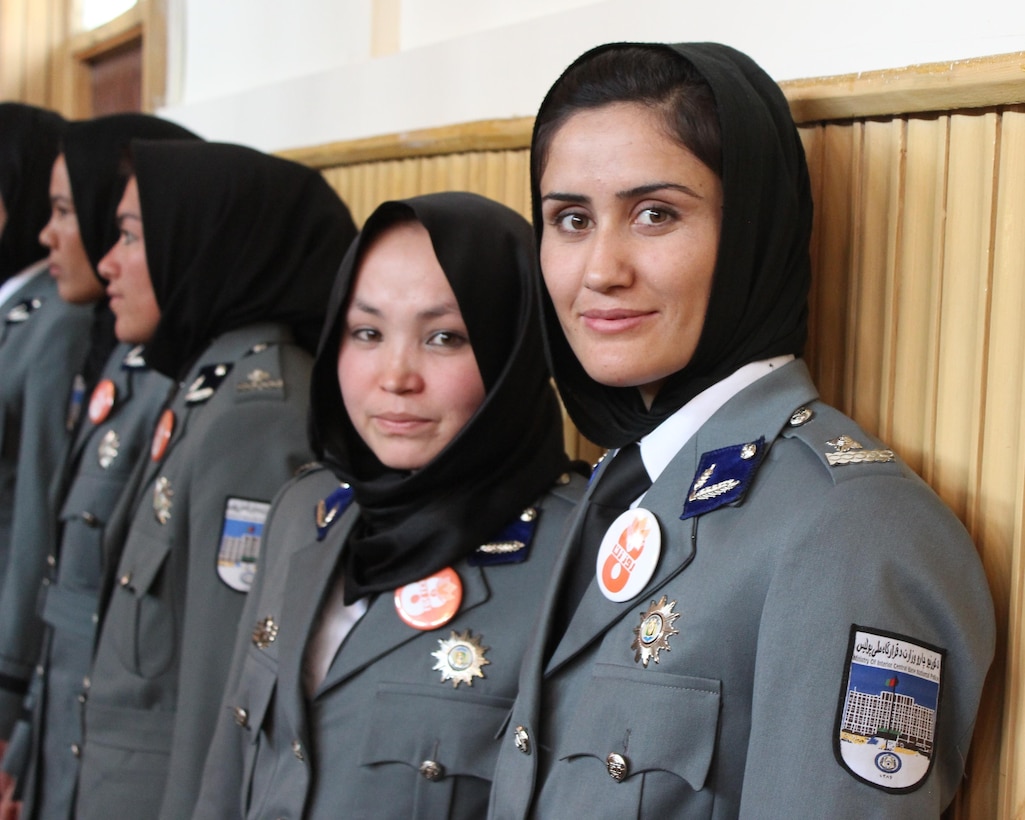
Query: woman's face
[[69, 264], [631, 223], [407, 373], [127, 273]]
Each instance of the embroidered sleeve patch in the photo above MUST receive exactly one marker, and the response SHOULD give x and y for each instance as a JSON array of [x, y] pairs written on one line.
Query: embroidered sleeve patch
[[240, 542], [886, 720]]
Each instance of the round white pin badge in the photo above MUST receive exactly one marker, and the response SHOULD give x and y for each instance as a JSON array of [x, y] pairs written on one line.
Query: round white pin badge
[[628, 555]]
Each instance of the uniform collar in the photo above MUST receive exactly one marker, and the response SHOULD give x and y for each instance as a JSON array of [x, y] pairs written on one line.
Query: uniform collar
[[660, 445]]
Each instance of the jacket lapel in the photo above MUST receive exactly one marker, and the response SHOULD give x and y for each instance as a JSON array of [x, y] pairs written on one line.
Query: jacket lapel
[[764, 408], [381, 631]]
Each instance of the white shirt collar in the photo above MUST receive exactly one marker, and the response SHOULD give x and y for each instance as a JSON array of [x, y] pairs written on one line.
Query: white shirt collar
[[662, 444]]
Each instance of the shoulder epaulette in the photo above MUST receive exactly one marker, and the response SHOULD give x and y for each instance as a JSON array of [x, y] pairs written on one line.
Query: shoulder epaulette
[[843, 448]]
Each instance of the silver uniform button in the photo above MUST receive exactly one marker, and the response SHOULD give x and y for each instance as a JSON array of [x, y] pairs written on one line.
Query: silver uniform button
[[241, 717], [431, 770], [125, 579], [76, 750], [616, 765], [801, 416], [522, 740], [297, 750]]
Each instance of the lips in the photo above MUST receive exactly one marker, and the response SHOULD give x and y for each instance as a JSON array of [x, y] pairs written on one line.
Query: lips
[[614, 320], [400, 423]]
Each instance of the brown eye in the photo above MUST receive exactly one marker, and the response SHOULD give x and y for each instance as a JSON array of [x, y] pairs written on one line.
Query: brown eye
[[572, 222]]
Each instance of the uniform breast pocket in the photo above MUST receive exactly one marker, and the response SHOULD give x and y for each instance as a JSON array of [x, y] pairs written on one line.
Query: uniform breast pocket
[[141, 618], [437, 750], [640, 744]]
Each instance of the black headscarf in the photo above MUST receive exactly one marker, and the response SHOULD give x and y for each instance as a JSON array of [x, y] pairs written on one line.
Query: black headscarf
[[758, 304], [234, 236], [511, 450], [95, 152], [29, 140]]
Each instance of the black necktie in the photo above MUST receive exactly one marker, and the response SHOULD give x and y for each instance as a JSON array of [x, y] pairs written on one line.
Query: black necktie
[[620, 483]]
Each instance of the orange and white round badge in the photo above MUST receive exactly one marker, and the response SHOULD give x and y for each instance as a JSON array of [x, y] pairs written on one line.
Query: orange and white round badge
[[430, 602], [628, 555], [101, 401], [162, 435]]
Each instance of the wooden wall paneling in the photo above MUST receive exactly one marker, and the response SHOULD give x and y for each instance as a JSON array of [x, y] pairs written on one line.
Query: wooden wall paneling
[[493, 175], [12, 49], [517, 181], [832, 265], [997, 763], [877, 220], [434, 176], [919, 257], [812, 138], [37, 52], [965, 282]]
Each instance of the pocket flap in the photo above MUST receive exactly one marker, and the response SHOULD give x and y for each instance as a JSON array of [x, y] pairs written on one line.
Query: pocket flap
[[140, 568], [655, 720], [456, 729]]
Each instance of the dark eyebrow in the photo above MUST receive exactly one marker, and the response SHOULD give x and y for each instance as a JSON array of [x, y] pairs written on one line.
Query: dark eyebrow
[[428, 313], [653, 187], [122, 217], [629, 193], [59, 198]]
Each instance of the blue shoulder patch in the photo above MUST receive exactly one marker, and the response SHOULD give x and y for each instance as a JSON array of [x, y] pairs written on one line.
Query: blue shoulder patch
[[328, 510], [723, 477], [512, 546]]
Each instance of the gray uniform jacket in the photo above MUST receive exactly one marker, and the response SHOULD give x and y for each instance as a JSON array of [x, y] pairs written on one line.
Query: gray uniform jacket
[[99, 466], [386, 734], [43, 341], [746, 625], [165, 640]]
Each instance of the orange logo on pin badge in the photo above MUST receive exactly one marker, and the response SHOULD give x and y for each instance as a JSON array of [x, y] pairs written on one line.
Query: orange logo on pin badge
[[430, 602], [162, 435], [628, 555], [101, 401]]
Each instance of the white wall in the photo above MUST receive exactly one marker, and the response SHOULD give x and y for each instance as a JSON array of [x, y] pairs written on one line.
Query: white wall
[[305, 77]]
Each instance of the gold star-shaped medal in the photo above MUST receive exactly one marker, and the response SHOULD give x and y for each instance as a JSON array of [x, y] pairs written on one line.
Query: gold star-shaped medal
[[460, 658], [653, 633]]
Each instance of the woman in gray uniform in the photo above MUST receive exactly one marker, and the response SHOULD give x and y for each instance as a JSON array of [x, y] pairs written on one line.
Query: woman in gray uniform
[[223, 270], [787, 621], [42, 345], [114, 430], [378, 658]]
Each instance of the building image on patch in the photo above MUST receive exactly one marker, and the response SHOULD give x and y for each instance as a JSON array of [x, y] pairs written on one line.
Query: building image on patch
[[891, 716]]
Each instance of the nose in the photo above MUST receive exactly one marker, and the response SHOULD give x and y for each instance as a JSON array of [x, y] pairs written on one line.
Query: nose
[[608, 264], [46, 235], [400, 373], [107, 268]]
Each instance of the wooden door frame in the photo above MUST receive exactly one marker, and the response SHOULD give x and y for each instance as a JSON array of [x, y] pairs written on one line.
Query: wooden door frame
[[146, 22]]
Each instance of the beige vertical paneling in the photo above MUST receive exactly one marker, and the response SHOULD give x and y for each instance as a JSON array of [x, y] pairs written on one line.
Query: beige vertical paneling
[[13, 43], [832, 265], [919, 256], [812, 138], [998, 519], [493, 173], [877, 227], [965, 282], [517, 181]]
